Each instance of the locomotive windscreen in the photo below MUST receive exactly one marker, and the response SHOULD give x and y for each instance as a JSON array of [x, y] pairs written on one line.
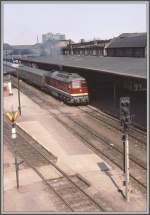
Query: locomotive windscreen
[[84, 84], [76, 84]]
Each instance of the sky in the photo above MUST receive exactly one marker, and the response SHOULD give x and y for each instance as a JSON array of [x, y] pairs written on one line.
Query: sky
[[23, 22]]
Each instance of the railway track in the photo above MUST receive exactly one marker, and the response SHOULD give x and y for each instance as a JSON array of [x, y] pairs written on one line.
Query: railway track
[[100, 145], [135, 133], [68, 189], [136, 147], [105, 140], [103, 149]]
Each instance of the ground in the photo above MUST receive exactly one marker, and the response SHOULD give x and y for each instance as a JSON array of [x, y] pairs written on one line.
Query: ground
[[72, 156]]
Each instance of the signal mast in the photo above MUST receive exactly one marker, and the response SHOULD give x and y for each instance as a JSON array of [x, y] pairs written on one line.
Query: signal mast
[[125, 118]]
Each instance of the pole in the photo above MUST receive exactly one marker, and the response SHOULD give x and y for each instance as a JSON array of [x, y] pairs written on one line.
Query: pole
[[15, 154], [124, 144], [126, 161], [17, 171], [19, 104], [125, 121], [127, 167]]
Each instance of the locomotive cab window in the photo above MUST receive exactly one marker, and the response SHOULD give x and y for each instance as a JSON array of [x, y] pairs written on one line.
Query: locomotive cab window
[[84, 84], [76, 84]]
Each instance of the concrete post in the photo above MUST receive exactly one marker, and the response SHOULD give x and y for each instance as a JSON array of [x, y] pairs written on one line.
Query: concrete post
[[10, 88], [15, 153], [127, 167]]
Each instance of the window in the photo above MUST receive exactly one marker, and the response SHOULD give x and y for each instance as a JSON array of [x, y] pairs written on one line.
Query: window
[[84, 84], [76, 84]]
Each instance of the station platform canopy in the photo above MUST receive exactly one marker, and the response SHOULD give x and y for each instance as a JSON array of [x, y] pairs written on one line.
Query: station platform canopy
[[124, 66]]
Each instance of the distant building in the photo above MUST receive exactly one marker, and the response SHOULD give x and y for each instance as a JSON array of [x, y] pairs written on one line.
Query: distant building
[[50, 47], [54, 47], [94, 48], [7, 49], [127, 45], [53, 44], [12, 51], [22, 49], [51, 36]]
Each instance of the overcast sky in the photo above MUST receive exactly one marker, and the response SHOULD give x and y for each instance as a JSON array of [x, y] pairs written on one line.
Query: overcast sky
[[23, 22]]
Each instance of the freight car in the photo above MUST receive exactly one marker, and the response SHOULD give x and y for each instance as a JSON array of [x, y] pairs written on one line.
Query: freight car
[[68, 87]]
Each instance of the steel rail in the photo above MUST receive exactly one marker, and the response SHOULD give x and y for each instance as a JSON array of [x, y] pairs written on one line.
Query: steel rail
[[95, 148], [106, 116], [58, 169], [98, 151]]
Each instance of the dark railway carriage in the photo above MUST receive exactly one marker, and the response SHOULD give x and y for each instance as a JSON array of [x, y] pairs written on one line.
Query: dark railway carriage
[[32, 75]]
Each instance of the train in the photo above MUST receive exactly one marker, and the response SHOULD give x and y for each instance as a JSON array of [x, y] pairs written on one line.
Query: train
[[71, 88]]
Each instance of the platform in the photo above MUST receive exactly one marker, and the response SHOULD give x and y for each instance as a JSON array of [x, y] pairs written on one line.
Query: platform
[[73, 157]]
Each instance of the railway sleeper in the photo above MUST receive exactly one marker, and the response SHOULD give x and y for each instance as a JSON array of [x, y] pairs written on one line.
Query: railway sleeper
[[81, 205]]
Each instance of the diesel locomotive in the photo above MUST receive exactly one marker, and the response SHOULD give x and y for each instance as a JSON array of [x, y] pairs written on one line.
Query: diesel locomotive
[[68, 87]]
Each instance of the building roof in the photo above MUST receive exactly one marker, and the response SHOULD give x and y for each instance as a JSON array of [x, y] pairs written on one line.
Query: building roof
[[22, 46], [125, 66], [92, 42], [129, 40], [87, 44], [65, 76]]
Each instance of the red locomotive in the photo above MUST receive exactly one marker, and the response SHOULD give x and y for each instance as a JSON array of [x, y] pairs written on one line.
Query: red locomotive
[[69, 87]]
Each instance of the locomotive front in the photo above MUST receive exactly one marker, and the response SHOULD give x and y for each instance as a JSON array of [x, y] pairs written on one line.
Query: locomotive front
[[79, 91]]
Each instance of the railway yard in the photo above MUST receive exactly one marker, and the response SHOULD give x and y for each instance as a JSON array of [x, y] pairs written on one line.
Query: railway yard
[[75, 108], [72, 158]]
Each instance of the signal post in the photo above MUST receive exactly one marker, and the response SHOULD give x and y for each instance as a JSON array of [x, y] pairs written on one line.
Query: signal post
[[125, 118]]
